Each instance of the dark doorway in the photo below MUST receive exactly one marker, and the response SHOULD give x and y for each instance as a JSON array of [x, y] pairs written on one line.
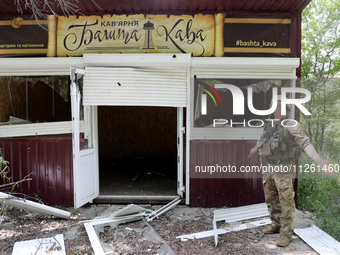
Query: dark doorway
[[137, 150]]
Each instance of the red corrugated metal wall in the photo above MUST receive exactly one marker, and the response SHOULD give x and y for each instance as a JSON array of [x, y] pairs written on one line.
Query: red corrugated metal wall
[[49, 159], [207, 192]]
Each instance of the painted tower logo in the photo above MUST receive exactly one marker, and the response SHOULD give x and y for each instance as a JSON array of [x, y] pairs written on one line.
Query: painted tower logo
[[148, 42]]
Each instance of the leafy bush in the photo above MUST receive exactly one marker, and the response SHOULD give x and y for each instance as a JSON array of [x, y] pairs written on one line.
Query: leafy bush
[[322, 197]]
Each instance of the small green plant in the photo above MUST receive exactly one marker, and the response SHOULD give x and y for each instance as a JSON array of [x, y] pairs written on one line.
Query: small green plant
[[3, 168], [7, 184], [38, 198], [3, 174]]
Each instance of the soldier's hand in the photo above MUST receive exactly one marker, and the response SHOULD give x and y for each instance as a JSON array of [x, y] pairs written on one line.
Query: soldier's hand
[[326, 166], [252, 152], [322, 162]]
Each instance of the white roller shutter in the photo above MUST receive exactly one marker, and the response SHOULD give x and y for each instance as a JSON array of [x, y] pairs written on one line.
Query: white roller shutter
[[135, 86]]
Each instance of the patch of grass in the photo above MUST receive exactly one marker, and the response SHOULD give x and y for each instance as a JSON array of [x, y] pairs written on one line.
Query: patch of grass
[[322, 197]]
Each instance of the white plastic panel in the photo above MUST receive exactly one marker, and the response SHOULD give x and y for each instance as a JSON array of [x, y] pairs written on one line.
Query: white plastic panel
[[319, 240], [38, 66], [137, 60], [50, 245], [135, 87], [48, 128], [241, 213], [85, 187], [244, 68]]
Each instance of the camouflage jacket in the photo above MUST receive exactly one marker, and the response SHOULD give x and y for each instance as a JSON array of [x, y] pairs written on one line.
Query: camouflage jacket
[[282, 142]]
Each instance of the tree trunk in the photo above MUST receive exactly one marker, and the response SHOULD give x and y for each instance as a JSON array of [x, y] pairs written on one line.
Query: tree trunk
[[317, 130]]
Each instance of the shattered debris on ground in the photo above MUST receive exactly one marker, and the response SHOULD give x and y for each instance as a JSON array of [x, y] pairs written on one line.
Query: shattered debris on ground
[[139, 238], [125, 215]]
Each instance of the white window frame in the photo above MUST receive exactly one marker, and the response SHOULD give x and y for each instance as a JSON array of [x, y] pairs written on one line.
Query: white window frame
[[38, 67], [238, 68]]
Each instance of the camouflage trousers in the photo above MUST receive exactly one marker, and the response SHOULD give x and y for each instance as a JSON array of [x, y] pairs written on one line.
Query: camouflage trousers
[[279, 196]]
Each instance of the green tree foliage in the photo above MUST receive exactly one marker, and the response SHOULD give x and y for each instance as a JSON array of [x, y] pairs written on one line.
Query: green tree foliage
[[320, 73]]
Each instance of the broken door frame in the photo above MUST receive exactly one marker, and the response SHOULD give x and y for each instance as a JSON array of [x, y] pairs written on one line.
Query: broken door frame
[[85, 161], [180, 147]]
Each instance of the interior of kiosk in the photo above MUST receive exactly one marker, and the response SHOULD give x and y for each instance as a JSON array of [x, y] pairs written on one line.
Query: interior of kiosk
[[137, 150]]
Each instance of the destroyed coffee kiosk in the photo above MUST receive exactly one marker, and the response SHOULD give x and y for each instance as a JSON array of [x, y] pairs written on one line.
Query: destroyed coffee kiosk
[[143, 102]]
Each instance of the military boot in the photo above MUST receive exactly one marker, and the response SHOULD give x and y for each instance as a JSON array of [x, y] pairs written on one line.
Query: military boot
[[283, 240], [271, 229]]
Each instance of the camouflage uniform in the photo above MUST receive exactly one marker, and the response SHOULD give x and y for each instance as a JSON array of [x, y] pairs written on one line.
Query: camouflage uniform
[[278, 186]]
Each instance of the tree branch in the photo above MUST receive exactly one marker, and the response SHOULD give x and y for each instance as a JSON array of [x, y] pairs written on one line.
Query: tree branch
[[40, 8]]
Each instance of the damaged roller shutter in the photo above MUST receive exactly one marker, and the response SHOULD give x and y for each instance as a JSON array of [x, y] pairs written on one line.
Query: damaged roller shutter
[[126, 86]]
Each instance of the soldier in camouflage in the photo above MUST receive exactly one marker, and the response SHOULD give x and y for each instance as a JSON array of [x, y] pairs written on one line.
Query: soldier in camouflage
[[280, 146]]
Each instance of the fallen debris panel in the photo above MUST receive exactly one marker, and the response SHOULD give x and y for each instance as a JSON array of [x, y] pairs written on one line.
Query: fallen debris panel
[[220, 231], [319, 240], [52, 245], [127, 214], [239, 213], [33, 206]]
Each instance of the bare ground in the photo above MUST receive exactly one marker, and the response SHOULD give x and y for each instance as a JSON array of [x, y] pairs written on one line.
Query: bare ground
[[140, 238]]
